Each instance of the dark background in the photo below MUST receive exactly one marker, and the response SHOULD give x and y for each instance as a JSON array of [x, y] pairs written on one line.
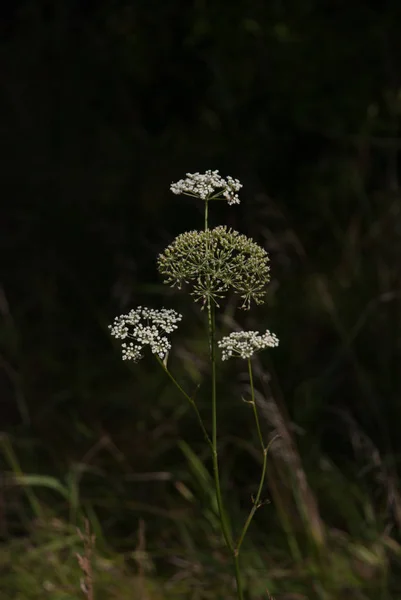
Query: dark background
[[103, 105]]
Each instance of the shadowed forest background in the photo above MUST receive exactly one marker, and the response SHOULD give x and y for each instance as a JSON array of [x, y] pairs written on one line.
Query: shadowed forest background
[[102, 106]]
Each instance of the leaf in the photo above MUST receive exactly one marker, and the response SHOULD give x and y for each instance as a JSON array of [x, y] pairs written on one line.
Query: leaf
[[42, 481]]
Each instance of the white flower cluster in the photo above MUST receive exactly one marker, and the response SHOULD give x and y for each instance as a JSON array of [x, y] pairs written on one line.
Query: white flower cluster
[[145, 326], [244, 344], [203, 185]]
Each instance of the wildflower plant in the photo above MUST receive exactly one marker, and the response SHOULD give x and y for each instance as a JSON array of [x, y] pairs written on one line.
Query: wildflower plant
[[210, 264]]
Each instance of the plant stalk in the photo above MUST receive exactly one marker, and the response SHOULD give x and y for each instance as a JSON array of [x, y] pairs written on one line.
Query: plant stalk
[[265, 449], [190, 400], [206, 214], [220, 505], [222, 514]]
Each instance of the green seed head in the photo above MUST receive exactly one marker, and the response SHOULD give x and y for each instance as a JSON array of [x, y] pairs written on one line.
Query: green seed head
[[214, 262]]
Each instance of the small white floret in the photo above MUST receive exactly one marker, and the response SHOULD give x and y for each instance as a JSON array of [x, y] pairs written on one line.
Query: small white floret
[[145, 327], [244, 344], [208, 185]]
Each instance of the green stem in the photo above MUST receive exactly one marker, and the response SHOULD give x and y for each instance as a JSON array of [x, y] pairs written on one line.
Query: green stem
[[265, 450], [238, 575], [223, 518], [222, 514], [189, 398]]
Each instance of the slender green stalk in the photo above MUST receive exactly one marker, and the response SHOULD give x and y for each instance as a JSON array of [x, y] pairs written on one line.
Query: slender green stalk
[[222, 513], [189, 398], [238, 579], [265, 450], [206, 213], [223, 517]]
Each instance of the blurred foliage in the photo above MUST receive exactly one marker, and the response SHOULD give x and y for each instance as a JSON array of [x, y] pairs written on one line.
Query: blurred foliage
[[102, 105]]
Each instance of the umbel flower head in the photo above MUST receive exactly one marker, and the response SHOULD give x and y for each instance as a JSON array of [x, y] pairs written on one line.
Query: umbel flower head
[[208, 186], [145, 327], [215, 261], [244, 344]]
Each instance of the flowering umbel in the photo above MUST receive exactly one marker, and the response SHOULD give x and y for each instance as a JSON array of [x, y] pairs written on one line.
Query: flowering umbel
[[145, 327], [212, 263], [208, 186], [215, 261], [244, 344]]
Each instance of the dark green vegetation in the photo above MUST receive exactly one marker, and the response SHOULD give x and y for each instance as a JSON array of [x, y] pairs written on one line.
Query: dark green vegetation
[[103, 104]]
